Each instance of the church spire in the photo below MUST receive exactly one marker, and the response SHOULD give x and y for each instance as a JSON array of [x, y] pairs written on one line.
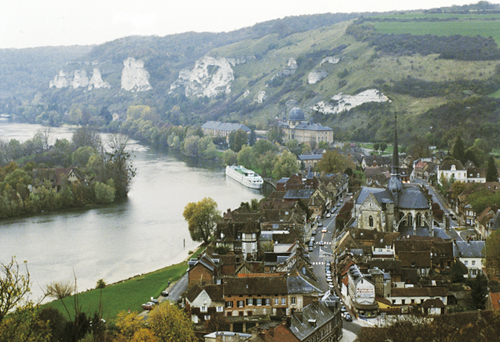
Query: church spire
[[395, 184]]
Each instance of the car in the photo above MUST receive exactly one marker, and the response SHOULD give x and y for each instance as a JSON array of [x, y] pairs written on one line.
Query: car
[[324, 230], [329, 279], [164, 293], [312, 239], [148, 306], [320, 224], [339, 204], [321, 243], [328, 273], [341, 200], [154, 300], [314, 232], [328, 215], [343, 309], [348, 317], [311, 248]]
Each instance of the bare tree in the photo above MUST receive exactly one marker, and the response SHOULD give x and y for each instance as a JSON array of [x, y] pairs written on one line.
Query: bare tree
[[13, 286]]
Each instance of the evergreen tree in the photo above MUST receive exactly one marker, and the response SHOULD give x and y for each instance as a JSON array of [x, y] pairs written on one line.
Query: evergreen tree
[[253, 138], [479, 290], [459, 150], [491, 171]]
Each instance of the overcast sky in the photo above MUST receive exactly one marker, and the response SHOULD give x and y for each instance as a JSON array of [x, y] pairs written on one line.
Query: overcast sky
[[31, 23]]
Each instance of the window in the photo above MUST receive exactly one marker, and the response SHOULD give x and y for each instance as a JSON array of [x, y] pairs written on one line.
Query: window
[[220, 309], [276, 301], [206, 317], [203, 308], [283, 301], [249, 301], [293, 300], [241, 303], [259, 301], [370, 221], [466, 262], [473, 262], [268, 301], [229, 304], [403, 301]]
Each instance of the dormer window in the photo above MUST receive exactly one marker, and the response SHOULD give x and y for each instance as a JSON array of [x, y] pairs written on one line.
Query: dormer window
[[453, 167]]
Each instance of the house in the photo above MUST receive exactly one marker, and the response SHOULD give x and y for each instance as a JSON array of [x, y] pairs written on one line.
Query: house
[[471, 254], [493, 301], [361, 293], [309, 160], [304, 131], [227, 336], [451, 169], [418, 295], [484, 222], [312, 199], [204, 302], [318, 322], [202, 271], [278, 333], [57, 177], [222, 129], [424, 253]]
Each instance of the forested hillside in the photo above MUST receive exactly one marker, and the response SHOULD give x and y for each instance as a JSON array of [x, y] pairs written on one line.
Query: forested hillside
[[437, 68]]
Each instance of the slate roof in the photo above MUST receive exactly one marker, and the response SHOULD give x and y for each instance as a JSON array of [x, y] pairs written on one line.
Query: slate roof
[[310, 156], [296, 114], [255, 285], [413, 198], [225, 126], [430, 291], [301, 322], [472, 249], [299, 284], [448, 163], [306, 126], [365, 191], [299, 194]]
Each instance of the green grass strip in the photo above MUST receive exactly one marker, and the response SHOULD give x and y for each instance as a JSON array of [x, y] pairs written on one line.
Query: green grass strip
[[124, 295]]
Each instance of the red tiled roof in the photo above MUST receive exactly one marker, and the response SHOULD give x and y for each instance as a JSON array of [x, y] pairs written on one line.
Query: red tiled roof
[[495, 300], [278, 334]]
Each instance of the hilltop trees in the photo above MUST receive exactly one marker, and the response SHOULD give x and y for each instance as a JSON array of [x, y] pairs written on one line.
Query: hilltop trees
[[202, 218]]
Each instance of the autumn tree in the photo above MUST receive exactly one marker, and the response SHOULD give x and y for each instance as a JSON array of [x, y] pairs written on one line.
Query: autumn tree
[[334, 162], [170, 324], [14, 286], [202, 218], [285, 166]]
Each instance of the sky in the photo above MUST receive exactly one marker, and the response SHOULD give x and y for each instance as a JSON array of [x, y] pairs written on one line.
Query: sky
[[33, 23]]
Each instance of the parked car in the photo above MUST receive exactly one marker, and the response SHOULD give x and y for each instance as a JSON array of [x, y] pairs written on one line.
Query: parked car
[[311, 248], [324, 230], [328, 215], [329, 279], [314, 232], [341, 200], [320, 224], [164, 293], [148, 306], [348, 317], [321, 243], [343, 309], [339, 204]]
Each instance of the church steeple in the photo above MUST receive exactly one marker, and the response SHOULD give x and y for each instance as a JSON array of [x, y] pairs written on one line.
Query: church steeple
[[395, 184]]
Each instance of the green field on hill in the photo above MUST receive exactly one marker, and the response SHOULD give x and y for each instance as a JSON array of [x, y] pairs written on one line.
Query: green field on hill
[[484, 28]]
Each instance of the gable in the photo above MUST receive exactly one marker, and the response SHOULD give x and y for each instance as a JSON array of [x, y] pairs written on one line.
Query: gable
[[370, 204]]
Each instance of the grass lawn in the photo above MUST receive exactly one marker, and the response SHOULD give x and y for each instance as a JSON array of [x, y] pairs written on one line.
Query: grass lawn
[[125, 295]]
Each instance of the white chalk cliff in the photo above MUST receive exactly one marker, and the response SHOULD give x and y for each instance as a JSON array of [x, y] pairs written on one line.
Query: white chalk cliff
[[331, 60], [342, 102], [134, 76], [209, 77], [78, 79], [261, 96], [316, 75]]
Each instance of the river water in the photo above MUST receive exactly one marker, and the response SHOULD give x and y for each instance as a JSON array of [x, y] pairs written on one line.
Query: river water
[[141, 234]]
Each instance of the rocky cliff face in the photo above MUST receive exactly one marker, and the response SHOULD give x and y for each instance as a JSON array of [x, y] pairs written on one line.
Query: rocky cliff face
[[316, 75], [134, 76], [209, 77], [78, 79], [341, 102]]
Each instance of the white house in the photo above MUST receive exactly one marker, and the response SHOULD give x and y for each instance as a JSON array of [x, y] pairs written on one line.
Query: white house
[[471, 254], [417, 295], [451, 168], [361, 293]]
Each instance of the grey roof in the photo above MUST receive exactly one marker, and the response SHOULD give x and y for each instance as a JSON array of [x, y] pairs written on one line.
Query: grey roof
[[299, 193], [310, 156], [296, 114], [304, 125], [419, 231], [301, 323], [298, 284], [365, 191], [441, 233], [413, 198], [472, 249], [225, 126]]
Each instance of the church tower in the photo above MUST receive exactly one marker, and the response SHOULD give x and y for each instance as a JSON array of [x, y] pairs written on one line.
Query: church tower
[[395, 185]]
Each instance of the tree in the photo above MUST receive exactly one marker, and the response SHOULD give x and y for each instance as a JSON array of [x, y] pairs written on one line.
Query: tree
[[293, 146], [376, 146], [491, 171], [82, 155], [262, 146], [383, 146], [86, 136], [285, 166], [237, 139], [246, 157], [458, 150], [13, 286], [106, 115], [334, 162], [493, 251], [275, 134], [475, 155], [479, 290], [252, 138], [202, 218], [59, 290], [104, 193], [170, 324], [229, 157], [118, 165]]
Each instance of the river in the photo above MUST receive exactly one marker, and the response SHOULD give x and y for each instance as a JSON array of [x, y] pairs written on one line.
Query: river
[[141, 234]]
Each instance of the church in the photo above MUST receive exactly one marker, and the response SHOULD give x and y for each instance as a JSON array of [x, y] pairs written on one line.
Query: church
[[404, 208]]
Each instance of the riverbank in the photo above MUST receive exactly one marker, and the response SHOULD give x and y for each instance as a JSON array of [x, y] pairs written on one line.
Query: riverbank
[[128, 294]]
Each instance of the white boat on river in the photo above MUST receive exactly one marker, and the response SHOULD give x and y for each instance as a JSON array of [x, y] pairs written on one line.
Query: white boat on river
[[244, 176]]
